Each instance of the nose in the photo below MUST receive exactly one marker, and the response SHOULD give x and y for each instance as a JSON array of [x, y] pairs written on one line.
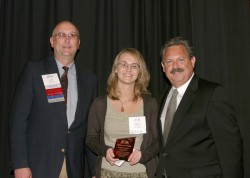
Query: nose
[[129, 68], [67, 38], [175, 63]]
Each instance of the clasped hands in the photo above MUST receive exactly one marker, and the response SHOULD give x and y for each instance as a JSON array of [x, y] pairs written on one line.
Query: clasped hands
[[133, 159]]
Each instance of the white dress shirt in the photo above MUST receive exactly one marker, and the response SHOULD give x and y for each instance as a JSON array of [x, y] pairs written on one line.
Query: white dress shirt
[[181, 90], [72, 94]]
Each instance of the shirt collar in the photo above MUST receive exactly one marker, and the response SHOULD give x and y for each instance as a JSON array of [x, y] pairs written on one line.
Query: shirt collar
[[60, 65]]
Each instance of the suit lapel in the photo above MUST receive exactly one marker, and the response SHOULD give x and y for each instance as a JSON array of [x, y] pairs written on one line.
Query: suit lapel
[[81, 90], [183, 107], [59, 108], [163, 101]]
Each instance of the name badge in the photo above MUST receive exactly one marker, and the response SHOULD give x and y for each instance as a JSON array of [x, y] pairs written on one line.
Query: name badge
[[53, 88], [137, 125]]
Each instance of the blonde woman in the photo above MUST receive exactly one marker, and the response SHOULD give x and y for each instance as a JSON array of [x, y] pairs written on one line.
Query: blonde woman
[[127, 98]]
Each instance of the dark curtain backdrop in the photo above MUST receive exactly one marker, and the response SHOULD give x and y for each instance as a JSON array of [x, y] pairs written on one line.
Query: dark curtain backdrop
[[218, 31]]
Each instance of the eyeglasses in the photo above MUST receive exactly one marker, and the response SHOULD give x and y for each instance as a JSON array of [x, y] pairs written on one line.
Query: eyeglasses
[[71, 36], [133, 66]]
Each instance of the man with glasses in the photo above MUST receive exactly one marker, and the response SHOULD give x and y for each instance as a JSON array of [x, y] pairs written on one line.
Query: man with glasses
[[49, 114]]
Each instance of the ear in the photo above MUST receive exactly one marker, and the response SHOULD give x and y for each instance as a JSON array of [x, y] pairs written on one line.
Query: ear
[[163, 66], [51, 42], [79, 44], [193, 60]]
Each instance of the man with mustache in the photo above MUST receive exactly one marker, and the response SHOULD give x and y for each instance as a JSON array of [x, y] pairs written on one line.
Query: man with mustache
[[202, 137]]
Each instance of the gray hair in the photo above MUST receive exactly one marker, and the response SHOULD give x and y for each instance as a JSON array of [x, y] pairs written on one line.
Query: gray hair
[[178, 41]]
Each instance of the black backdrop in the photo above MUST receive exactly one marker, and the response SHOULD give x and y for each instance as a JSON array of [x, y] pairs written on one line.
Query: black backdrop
[[218, 30]]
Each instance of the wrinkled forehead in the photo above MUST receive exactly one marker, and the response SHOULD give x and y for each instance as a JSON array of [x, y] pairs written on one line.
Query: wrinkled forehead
[[176, 50], [65, 27]]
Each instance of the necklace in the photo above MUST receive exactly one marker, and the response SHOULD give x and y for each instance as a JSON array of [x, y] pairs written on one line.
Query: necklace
[[122, 103]]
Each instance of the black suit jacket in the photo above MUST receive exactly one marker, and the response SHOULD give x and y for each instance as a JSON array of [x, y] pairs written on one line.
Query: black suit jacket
[[204, 139], [39, 134]]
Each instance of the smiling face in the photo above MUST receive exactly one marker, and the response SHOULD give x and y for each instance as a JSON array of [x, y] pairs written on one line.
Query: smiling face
[[177, 65], [65, 45], [127, 69]]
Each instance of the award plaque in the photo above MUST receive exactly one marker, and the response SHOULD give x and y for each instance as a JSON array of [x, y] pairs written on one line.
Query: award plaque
[[124, 147]]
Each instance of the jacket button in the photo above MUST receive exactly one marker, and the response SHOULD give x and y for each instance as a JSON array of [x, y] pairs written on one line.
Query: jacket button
[[63, 150], [68, 132], [165, 154]]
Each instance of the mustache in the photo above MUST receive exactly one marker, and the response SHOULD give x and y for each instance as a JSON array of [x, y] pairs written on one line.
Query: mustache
[[176, 70]]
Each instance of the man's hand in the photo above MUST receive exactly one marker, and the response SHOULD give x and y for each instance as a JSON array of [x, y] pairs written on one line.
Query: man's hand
[[23, 173]]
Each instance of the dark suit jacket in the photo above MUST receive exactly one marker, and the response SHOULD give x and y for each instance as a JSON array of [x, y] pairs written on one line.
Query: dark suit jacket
[[204, 139], [39, 134]]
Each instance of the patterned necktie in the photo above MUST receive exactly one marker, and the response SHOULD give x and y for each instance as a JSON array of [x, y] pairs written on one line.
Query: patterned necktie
[[64, 82], [170, 115]]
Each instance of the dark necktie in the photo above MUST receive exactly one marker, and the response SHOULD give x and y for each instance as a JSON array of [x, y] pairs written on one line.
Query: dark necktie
[[170, 115], [64, 82]]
